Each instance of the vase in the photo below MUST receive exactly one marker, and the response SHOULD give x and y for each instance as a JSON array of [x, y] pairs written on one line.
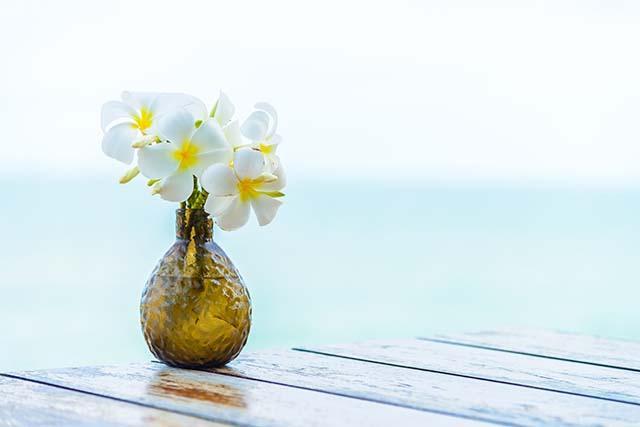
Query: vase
[[195, 310]]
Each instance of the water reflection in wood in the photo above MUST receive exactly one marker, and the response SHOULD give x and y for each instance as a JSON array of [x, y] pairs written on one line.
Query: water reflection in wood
[[170, 382]]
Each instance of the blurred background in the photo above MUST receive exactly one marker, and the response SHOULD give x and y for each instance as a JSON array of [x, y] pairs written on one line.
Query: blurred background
[[453, 165]]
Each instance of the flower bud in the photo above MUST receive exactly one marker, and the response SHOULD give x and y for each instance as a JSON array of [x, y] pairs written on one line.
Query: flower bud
[[156, 189], [129, 175], [144, 141]]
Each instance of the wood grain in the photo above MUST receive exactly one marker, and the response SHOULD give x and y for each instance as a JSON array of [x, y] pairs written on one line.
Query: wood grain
[[24, 403], [236, 400], [485, 400], [560, 345], [543, 373]]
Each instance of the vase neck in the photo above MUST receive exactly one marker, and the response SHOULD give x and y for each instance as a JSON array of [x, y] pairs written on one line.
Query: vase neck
[[194, 224]]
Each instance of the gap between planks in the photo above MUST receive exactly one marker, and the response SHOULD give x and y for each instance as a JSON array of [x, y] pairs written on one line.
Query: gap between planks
[[525, 353], [510, 404], [472, 377], [119, 399], [226, 421], [363, 360], [350, 396]]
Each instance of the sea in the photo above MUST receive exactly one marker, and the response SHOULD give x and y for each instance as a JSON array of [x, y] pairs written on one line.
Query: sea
[[345, 260]]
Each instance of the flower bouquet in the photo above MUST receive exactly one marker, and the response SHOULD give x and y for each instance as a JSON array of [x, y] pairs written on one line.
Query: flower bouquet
[[195, 309]]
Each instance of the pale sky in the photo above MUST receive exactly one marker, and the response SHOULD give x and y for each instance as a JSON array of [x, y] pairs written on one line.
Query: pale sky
[[511, 90]]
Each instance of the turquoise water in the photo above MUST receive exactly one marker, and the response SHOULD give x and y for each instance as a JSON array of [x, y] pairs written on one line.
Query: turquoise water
[[342, 262]]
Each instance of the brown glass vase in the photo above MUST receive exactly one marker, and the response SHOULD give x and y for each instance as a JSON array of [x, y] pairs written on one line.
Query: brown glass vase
[[195, 309]]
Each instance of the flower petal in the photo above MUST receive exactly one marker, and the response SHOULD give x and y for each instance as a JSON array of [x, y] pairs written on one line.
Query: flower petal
[[209, 136], [265, 208], [177, 126], [139, 100], [217, 205], [233, 134], [270, 109], [272, 162], [219, 180], [157, 161], [235, 215], [268, 149], [177, 187], [275, 140], [279, 183], [168, 102], [115, 111], [220, 156], [116, 143], [248, 163], [224, 109], [256, 126]]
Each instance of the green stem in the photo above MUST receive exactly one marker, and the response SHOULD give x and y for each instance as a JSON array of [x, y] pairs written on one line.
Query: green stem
[[194, 194], [198, 196], [199, 201]]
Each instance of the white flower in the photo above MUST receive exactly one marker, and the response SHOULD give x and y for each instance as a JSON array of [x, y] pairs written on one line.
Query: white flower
[[260, 127], [135, 118], [189, 151], [223, 112], [234, 191]]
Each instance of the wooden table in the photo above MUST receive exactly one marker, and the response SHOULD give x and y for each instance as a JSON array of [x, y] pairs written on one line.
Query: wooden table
[[486, 378]]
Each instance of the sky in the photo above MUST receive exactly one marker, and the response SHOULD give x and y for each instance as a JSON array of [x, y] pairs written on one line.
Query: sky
[[397, 90]]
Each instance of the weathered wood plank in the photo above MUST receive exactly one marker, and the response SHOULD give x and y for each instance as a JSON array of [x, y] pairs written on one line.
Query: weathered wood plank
[[543, 373], [560, 345], [485, 400], [236, 400], [24, 403]]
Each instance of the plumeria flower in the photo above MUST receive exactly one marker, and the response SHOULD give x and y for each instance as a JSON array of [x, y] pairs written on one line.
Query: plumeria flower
[[188, 152], [223, 112], [260, 128], [233, 191], [134, 120]]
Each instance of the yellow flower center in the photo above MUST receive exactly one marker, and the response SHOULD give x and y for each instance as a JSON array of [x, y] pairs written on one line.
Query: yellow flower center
[[186, 155], [143, 120], [265, 149], [247, 190]]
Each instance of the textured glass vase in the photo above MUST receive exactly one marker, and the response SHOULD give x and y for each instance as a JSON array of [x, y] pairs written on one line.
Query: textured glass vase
[[195, 309]]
